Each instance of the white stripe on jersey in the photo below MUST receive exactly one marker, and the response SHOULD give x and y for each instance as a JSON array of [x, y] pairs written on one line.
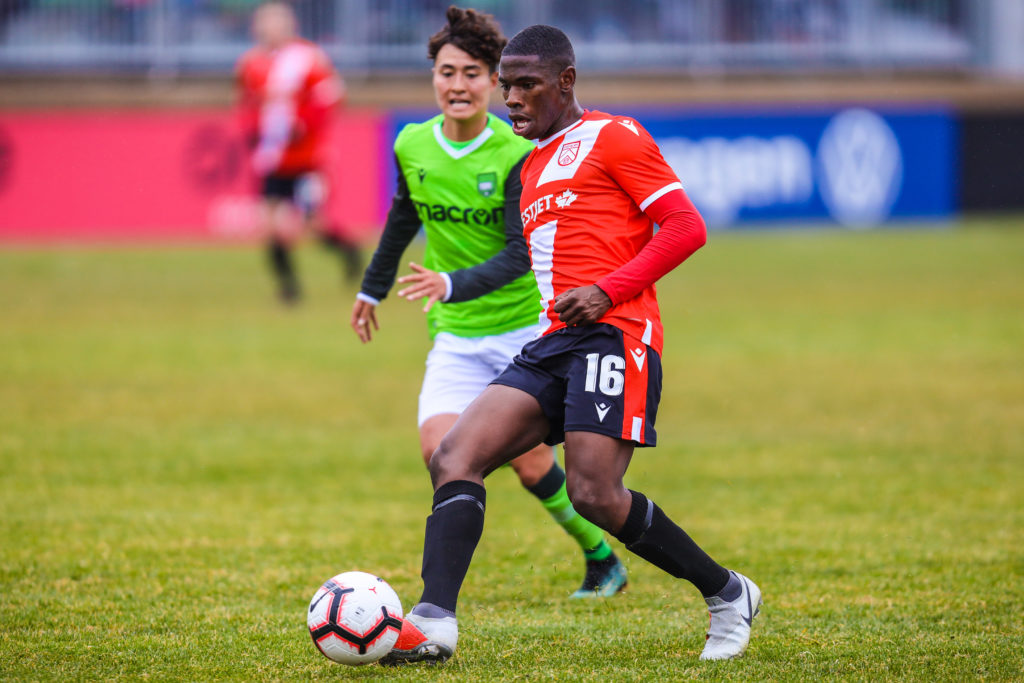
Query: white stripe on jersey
[[585, 135], [646, 338], [547, 141], [542, 253], [289, 69], [659, 194]]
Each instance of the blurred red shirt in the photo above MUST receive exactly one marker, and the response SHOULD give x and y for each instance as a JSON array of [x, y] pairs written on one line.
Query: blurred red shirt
[[286, 97]]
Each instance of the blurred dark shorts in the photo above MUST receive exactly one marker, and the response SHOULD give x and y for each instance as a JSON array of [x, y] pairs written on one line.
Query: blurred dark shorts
[[279, 187]]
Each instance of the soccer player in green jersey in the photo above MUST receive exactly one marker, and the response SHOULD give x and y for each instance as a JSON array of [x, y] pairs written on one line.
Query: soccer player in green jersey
[[458, 177]]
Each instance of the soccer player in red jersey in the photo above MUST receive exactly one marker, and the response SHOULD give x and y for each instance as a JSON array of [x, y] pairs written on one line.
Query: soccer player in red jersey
[[287, 92], [593, 189]]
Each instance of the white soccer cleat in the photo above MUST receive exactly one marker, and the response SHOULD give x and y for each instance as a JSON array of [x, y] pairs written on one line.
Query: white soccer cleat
[[729, 631], [424, 639]]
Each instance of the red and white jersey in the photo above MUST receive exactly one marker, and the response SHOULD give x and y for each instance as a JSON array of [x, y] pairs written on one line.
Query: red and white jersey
[[288, 93], [584, 194]]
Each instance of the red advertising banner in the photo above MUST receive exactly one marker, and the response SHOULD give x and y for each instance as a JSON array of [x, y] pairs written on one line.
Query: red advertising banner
[[162, 176]]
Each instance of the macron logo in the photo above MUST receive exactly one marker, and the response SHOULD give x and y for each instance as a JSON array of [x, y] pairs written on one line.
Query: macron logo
[[602, 410], [631, 126], [638, 357], [565, 199]]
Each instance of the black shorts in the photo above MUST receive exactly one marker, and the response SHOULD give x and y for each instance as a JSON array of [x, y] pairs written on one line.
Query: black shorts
[[594, 379], [279, 187], [307, 191]]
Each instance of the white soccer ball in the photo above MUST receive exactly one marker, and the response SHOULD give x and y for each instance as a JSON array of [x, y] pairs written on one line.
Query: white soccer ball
[[355, 618]]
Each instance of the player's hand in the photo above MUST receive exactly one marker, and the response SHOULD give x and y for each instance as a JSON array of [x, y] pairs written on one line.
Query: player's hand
[[581, 305], [423, 282], [364, 314]]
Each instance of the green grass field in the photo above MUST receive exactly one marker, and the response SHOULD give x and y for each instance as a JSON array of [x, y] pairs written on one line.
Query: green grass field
[[182, 463]]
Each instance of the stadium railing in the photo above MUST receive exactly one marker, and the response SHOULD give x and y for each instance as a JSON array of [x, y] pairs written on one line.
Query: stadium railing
[[207, 36]]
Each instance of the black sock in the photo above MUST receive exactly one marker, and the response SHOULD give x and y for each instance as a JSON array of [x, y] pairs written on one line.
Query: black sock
[[280, 257], [453, 531], [649, 533], [549, 483]]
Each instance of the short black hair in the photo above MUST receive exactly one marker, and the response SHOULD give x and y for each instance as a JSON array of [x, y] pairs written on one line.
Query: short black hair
[[547, 42], [475, 33]]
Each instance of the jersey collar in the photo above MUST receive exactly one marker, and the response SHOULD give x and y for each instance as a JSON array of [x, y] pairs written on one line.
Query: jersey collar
[[468, 149], [541, 144]]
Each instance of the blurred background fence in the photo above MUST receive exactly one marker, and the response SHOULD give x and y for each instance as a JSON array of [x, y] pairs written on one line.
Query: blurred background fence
[[367, 36]]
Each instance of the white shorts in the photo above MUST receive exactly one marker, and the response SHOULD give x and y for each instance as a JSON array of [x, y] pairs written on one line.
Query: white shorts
[[458, 368]]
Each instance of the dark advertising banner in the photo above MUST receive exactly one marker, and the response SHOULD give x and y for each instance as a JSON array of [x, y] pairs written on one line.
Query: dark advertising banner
[[992, 161]]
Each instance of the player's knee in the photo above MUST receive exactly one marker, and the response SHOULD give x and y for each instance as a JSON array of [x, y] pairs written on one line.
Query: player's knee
[[435, 463], [590, 499], [445, 465]]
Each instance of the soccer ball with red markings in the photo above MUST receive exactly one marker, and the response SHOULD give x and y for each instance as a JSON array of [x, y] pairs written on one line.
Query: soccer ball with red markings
[[355, 618]]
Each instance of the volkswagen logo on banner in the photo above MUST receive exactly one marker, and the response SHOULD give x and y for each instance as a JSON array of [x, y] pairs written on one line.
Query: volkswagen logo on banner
[[854, 166], [860, 167]]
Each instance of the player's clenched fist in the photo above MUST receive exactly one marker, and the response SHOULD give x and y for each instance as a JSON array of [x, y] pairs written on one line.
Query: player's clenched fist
[[582, 305]]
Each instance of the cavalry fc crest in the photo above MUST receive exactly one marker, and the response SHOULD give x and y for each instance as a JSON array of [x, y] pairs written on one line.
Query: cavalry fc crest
[[568, 153]]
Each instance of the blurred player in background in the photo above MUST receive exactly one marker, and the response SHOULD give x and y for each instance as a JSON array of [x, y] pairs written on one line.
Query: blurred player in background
[[288, 92], [458, 176], [593, 189]]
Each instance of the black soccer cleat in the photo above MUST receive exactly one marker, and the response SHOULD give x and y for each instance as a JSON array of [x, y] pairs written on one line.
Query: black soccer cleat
[[603, 579]]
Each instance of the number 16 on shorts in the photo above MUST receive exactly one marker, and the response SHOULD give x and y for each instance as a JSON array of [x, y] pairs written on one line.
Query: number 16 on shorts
[[621, 392], [604, 373]]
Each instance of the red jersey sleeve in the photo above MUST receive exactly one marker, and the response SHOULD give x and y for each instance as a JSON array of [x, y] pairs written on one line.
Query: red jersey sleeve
[[632, 158], [682, 233], [635, 162]]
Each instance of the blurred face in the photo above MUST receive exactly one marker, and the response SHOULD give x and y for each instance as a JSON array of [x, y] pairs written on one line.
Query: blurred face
[[462, 84], [537, 98], [273, 25]]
